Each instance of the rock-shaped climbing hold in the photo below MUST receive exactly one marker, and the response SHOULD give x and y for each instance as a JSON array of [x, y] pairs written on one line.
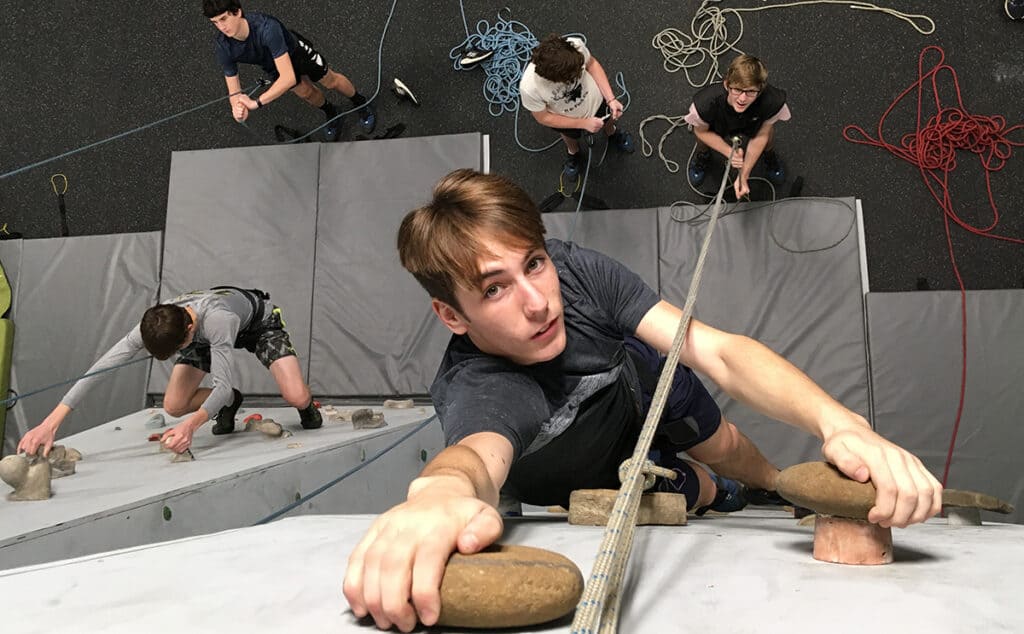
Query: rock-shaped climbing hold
[[156, 421], [63, 460], [593, 507], [28, 476], [822, 488], [267, 426], [394, 404], [367, 419], [508, 586]]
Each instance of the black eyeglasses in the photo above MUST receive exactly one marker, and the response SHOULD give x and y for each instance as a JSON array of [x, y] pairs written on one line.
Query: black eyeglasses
[[752, 93]]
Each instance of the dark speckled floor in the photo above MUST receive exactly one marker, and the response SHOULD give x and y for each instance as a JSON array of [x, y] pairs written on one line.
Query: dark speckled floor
[[79, 72]]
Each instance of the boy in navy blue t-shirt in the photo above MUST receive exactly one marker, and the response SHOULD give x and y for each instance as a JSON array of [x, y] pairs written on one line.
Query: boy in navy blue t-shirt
[[287, 57]]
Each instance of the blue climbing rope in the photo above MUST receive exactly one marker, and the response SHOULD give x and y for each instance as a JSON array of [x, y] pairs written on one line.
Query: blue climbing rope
[[302, 500], [122, 135], [17, 397]]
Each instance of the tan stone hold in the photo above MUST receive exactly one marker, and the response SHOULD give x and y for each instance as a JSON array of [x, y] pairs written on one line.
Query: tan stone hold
[[63, 460], [268, 426], [508, 586], [842, 540], [822, 488], [593, 507], [806, 520], [29, 477], [403, 404], [367, 419], [974, 500]]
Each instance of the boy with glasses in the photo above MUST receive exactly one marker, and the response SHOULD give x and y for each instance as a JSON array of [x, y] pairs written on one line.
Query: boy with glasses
[[744, 105]]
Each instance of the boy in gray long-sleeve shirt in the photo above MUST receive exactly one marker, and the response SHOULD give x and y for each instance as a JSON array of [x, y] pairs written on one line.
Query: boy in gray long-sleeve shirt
[[202, 327]]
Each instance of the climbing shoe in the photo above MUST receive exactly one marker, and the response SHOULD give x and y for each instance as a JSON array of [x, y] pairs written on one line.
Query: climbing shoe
[[572, 167], [368, 118], [728, 499], [698, 167], [623, 141], [773, 166], [226, 416]]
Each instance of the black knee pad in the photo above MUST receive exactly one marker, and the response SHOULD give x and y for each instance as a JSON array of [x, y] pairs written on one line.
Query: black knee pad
[[686, 481]]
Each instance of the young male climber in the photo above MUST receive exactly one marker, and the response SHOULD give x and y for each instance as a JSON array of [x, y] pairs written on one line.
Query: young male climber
[[545, 384], [202, 327], [744, 105], [287, 57], [566, 89]]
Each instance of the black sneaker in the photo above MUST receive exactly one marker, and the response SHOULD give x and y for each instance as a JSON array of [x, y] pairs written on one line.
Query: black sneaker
[[1014, 9], [331, 132], [368, 118], [314, 421], [764, 497], [772, 165], [698, 167], [623, 140], [226, 416], [572, 167]]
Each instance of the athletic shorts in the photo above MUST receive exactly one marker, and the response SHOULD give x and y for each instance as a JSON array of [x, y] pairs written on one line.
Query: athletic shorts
[[575, 133], [269, 342], [306, 61], [690, 416]]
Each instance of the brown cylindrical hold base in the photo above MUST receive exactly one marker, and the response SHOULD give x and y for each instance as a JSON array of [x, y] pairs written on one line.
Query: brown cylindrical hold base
[[840, 540]]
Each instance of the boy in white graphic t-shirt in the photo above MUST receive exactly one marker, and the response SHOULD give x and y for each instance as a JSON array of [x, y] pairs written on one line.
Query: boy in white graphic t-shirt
[[566, 89]]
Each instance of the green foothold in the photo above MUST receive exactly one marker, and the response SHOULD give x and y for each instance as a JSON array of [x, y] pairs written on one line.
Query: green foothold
[[297, 496], [362, 454], [167, 513], [423, 455]]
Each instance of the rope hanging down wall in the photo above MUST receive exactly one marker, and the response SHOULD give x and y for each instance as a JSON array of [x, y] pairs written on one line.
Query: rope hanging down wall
[[598, 608], [932, 148]]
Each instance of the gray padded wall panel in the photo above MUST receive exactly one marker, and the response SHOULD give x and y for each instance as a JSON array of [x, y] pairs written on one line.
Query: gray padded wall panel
[[807, 307], [915, 375], [244, 217], [373, 330], [630, 236], [76, 297]]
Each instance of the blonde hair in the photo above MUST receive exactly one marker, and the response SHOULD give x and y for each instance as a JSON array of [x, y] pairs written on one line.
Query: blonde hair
[[746, 71]]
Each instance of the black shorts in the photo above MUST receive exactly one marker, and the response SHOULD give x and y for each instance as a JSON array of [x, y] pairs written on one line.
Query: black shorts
[[306, 61], [269, 342], [575, 133], [690, 416]]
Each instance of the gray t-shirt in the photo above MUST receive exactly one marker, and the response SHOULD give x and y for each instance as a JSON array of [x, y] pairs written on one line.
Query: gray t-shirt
[[220, 315], [573, 419]]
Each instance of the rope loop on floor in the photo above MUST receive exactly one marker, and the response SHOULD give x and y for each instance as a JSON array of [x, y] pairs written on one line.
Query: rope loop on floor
[[709, 36]]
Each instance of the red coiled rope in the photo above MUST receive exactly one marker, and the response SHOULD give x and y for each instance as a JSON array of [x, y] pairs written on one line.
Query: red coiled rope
[[932, 148]]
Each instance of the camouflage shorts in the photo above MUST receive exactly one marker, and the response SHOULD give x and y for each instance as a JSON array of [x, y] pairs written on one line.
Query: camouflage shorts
[[269, 343]]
